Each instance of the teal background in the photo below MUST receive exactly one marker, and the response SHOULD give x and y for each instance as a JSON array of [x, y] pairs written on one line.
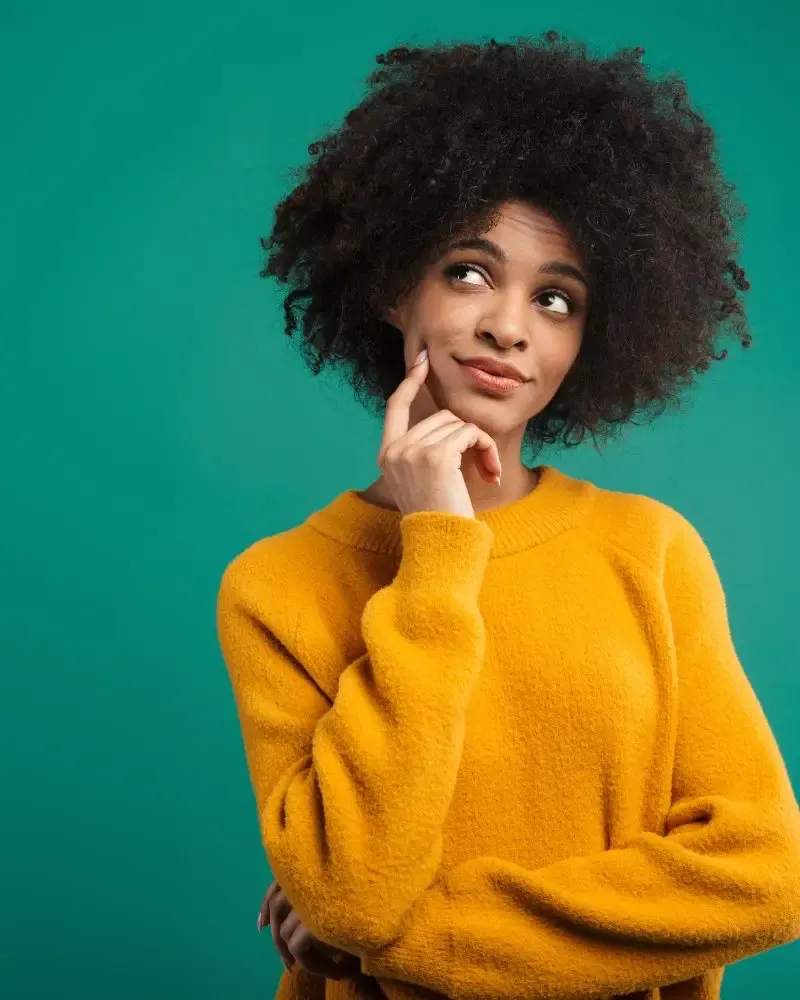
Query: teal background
[[156, 421]]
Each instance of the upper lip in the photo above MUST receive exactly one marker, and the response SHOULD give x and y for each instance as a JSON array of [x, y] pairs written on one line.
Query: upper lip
[[494, 367]]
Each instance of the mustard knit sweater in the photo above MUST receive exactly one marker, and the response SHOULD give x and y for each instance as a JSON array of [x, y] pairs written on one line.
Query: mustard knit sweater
[[514, 756]]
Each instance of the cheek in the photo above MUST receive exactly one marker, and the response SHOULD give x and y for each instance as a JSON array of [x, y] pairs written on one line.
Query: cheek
[[444, 318], [555, 359], [558, 357]]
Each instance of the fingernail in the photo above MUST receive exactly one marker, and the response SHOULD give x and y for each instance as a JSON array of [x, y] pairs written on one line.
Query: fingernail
[[258, 923], [420, 357], [497, 480]]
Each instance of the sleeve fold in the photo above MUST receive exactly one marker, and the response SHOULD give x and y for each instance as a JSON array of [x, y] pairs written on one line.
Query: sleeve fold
[[657, 911]]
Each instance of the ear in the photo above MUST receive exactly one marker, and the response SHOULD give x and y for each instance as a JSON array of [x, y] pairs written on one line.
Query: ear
[[391, 315]]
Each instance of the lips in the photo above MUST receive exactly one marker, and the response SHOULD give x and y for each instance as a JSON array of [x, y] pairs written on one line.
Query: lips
[[492, 383], [498, 368]]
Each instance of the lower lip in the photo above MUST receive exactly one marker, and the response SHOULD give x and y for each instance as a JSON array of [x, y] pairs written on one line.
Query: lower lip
[[487, 381]]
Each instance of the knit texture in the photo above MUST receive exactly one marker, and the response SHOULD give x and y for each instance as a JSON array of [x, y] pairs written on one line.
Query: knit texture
[[514, 756]]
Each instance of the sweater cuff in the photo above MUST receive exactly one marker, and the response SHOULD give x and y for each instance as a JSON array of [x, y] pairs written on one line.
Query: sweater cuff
[[414, 948], [443, 552]]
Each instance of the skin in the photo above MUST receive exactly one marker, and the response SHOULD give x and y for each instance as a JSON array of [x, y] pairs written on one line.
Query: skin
[[295, 942], [507, 311]]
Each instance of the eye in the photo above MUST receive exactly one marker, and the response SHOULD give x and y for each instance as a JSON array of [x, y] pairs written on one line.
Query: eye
[[564, 298], [454, 269]]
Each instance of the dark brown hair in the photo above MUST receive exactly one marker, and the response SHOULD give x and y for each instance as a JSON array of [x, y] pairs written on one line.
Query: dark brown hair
[[445, 135]]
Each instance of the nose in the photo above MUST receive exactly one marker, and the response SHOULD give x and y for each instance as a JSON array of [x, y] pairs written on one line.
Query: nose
[[504, 337], [506, 326]]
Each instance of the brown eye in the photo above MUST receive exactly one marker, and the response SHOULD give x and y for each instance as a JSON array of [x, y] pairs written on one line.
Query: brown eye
[[455, 269], [570, 308]]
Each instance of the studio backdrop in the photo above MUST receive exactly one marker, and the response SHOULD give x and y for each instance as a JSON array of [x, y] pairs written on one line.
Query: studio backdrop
[[157, 420]]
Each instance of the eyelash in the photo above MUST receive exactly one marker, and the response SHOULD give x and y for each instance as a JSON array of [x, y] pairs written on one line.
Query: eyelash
[[471, 267]]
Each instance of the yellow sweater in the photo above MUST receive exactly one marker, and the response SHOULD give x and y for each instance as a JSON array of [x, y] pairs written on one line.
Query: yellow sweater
[[514, 756]]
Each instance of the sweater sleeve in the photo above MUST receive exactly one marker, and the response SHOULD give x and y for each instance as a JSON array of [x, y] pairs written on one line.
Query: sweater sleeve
[[721, 884], [352, 796]]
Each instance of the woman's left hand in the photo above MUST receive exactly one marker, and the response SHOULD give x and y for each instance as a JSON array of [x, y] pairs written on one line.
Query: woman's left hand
[[295, 942]]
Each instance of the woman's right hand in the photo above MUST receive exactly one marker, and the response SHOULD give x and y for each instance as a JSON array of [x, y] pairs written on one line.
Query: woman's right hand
[[295, 942], [422, 466]]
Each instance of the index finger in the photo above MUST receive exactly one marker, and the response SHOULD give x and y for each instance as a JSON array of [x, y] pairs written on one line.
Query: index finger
[[398, 406]]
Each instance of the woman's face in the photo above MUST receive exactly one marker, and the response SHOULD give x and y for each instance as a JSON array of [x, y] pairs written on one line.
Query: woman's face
[[505, 305]]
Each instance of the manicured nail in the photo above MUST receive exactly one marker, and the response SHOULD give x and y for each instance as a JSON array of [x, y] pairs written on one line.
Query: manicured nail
[[497, 480], [420, 357], [258, 922]]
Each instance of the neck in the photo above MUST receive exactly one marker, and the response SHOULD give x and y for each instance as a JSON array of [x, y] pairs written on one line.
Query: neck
[[558, 503]]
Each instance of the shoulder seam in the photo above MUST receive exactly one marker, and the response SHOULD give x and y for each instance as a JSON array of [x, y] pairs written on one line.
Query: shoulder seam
[[633, 555], [612, 543]]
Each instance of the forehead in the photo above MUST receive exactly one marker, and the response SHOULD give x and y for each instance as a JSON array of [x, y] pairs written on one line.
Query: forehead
[[523, 230], [527, 238]]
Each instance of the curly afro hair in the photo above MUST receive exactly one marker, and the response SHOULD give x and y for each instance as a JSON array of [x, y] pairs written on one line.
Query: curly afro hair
[[448, 133]]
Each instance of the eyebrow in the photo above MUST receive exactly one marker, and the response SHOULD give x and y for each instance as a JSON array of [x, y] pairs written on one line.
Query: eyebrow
[[549, 267]]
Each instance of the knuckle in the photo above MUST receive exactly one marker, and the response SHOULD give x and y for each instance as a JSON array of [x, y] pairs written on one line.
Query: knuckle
[[435, 456]]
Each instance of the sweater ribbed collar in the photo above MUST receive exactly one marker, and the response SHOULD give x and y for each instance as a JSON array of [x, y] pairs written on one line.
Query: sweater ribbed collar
[[555, 504]]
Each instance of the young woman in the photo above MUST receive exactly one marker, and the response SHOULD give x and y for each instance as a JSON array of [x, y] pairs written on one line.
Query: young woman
[[500, 741]]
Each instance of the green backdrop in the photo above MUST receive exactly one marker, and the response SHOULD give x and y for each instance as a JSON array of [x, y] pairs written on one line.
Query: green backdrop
[[156, 421]]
